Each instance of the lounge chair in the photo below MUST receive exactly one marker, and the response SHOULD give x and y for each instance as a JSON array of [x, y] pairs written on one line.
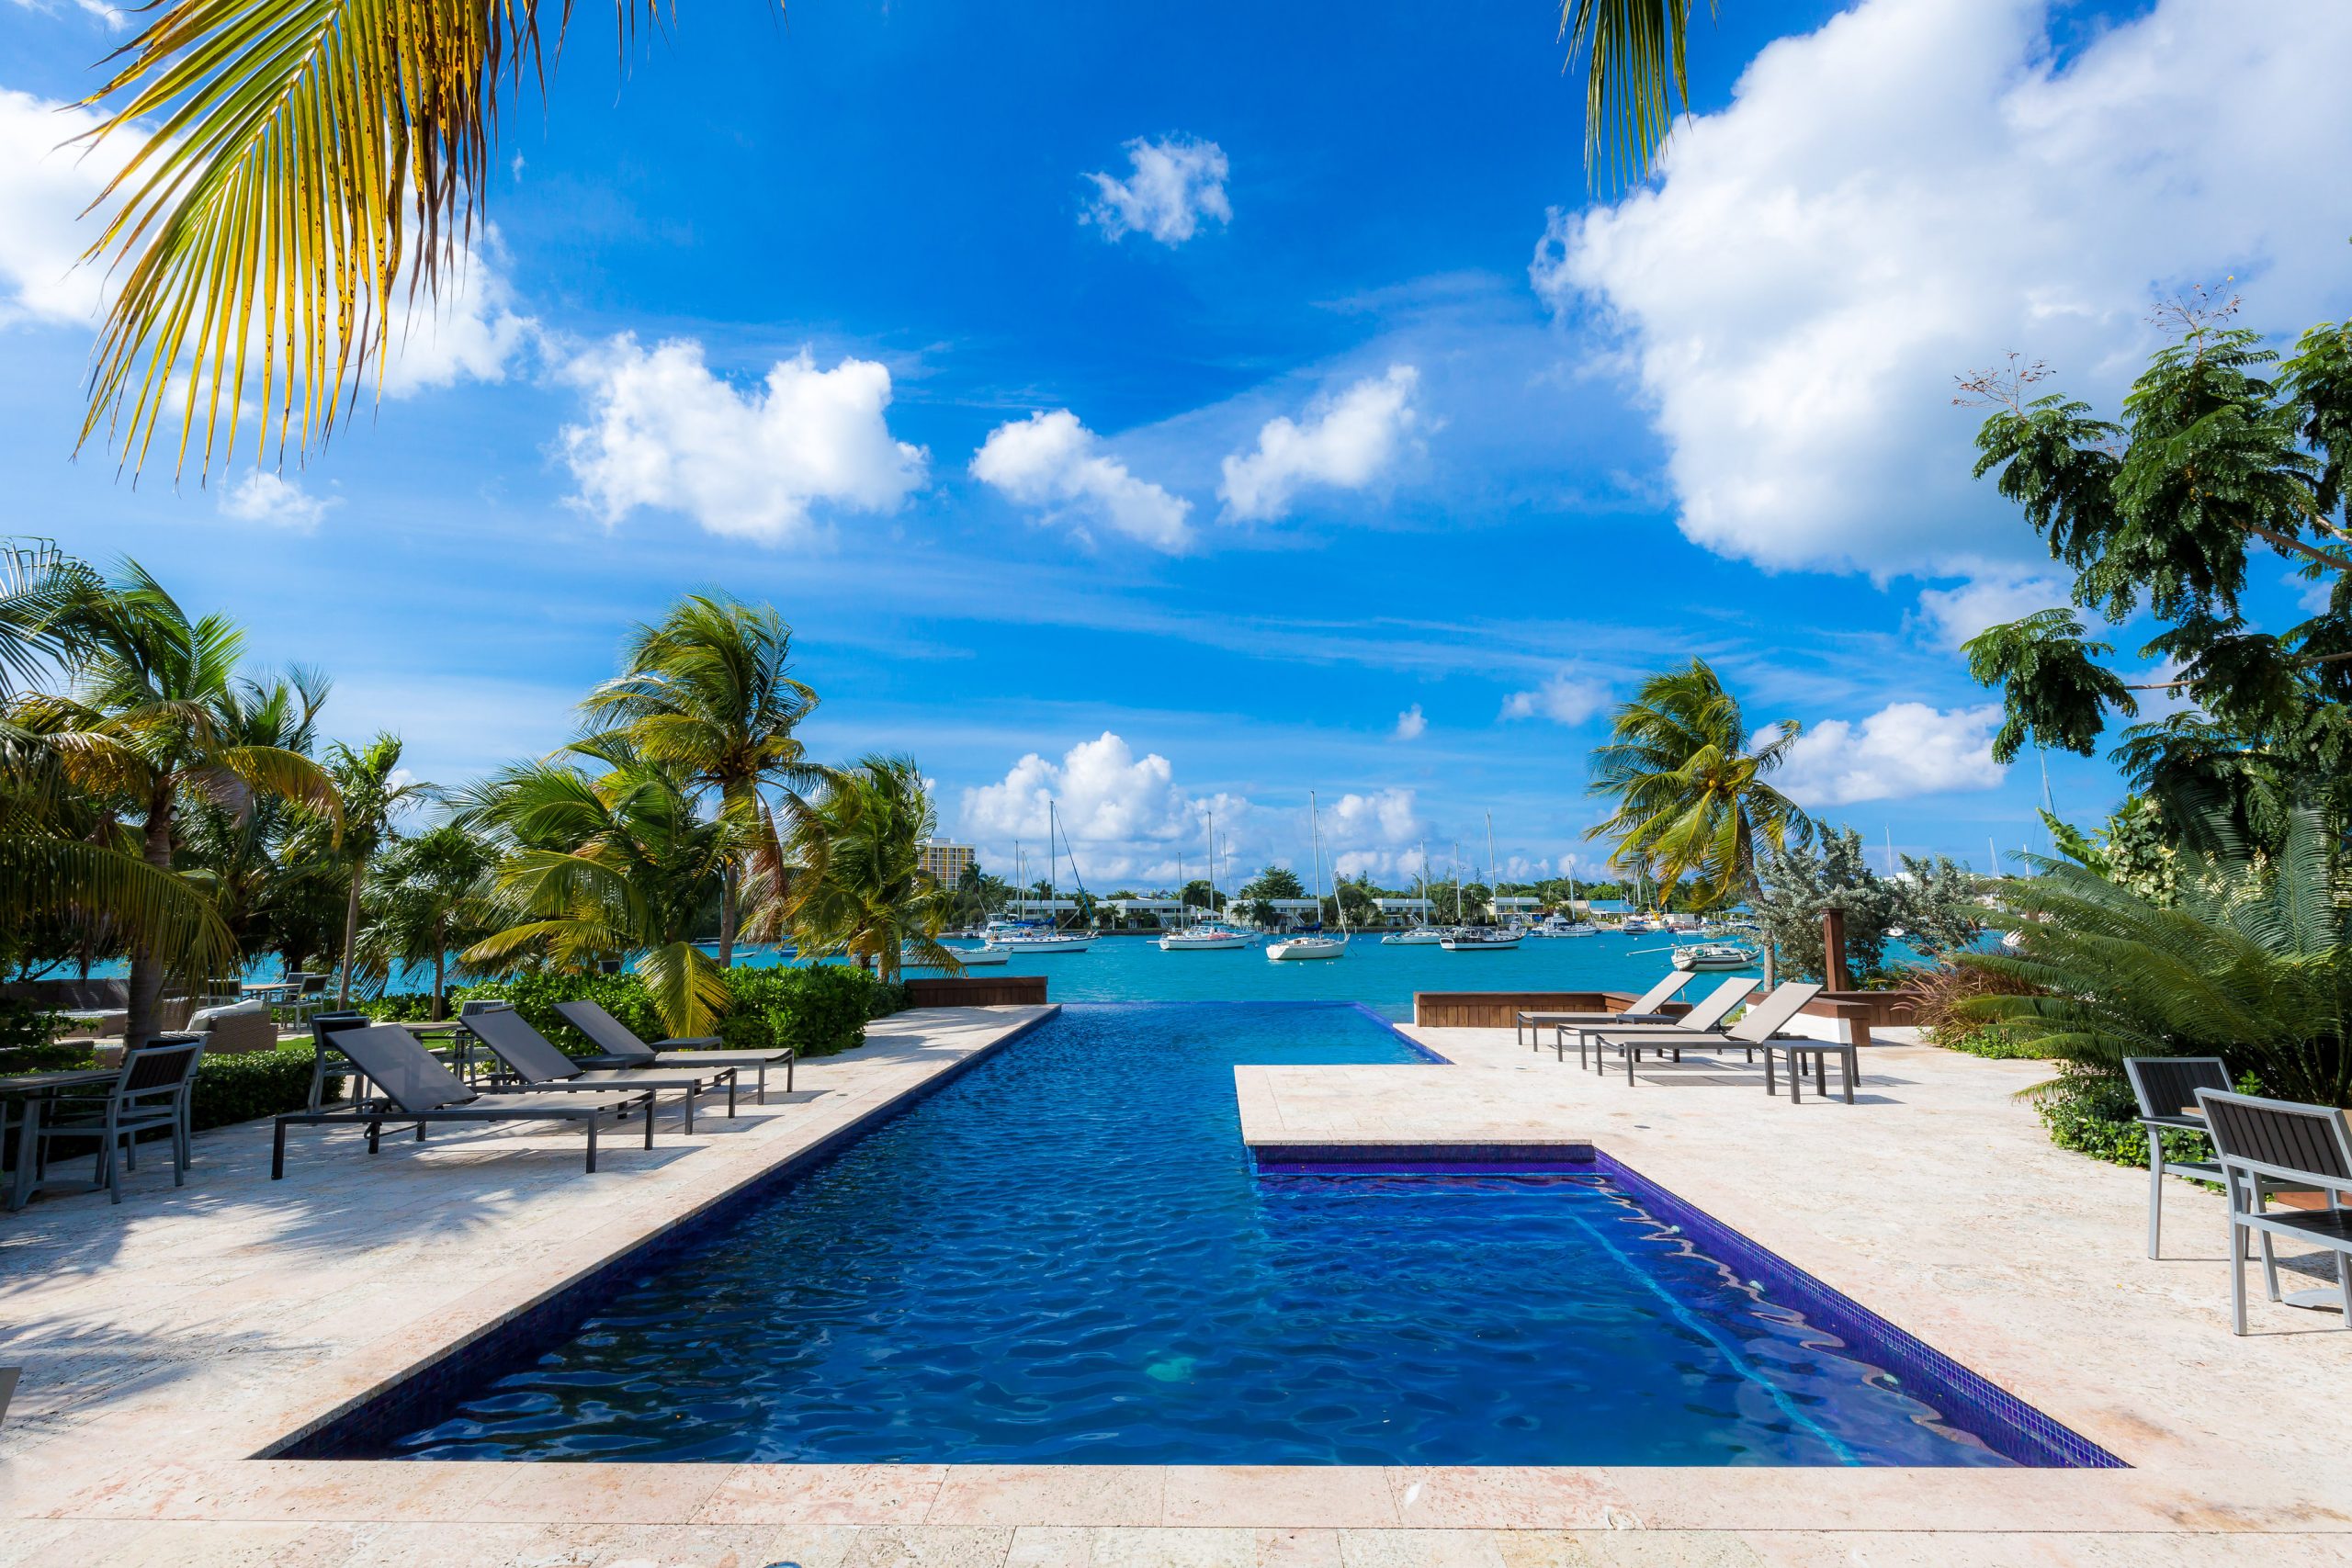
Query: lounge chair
[[622, 1048], [1758, 1029], [2263, 1145], [540, 1066], [1642, 1009], [1704, 1016], [413, 1087]]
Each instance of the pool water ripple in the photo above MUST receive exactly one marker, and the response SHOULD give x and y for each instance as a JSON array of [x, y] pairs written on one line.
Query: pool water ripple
[[1067, 1255]]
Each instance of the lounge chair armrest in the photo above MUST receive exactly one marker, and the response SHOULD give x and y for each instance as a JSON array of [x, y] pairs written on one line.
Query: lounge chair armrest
[[689, 1043]]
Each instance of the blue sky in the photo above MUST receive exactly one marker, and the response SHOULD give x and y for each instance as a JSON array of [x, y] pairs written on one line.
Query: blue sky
[[1335, 437]]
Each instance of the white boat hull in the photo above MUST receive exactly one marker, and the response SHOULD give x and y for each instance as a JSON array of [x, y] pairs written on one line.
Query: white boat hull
[[1425, 936], [1308, 947], [1204, 942], [1687, 958], [1046, 943], [1479, 944]]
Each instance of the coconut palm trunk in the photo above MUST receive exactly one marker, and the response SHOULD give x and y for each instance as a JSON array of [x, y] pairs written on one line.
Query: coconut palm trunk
[[147, 969]]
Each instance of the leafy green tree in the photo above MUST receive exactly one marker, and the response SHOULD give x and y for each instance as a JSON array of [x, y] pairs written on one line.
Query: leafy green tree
[[371, 792], [2253, 964], [2133, 849], [605, 854], [1805, 881], [263, 861], [151, 685], [708, 691], [1275, 882], [431, 895], [858, 886], [2217, 458], [1689, 787]]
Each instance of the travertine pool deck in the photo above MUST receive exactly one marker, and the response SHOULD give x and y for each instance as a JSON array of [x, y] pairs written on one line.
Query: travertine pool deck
[[169, 1338]]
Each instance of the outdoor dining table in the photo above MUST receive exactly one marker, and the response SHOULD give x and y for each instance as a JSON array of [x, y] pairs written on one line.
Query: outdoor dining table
[[32, 1090]]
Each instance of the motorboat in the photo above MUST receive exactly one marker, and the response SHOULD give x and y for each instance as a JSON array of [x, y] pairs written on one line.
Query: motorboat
[[1209, 936], [1482, 938], [1714, 956], [1637, 925], [980, 957], [1041, 939], [1415, 936], [1557, 926]]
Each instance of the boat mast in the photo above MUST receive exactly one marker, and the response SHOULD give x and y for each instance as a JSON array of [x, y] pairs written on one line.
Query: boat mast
[[1315, 839], [1494, 885]]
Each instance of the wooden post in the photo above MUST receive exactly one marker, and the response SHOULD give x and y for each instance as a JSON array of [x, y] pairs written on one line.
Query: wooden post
[[1832, 949]]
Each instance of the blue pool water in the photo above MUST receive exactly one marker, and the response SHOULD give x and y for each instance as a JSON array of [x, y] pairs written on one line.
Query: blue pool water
[[1066, 1255]]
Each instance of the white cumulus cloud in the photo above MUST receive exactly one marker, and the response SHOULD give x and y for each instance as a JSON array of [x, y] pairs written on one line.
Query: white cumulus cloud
[[1904, 749], [1919, 188], [1050, 461], [1174, 182], [1124, 816], [1565, 698], [1960, 612], [273, 499], [1346, 443], [1412, 724], [664, 433]]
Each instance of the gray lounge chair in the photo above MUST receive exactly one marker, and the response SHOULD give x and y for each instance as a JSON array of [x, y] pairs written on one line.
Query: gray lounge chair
[[412, 1087], [1642, 1009], [1704, 1016], [2266, 1145], [622, 1048], [540, 1066], [1758, 1029]]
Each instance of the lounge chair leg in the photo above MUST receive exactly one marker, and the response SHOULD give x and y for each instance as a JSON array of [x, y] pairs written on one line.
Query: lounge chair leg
[[277, 1154], [592, 1143], [731, 1093], [1851, 1065], [2157, 1194], [789, 1061], [375, 1136], [690, 1113], [764, 1083], [1772, 1083], [649, 1119]]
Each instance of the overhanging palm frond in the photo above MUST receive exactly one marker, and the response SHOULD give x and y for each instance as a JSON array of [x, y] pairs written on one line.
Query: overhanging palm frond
[[1634, 78], [263, 228], [58, 877], [688, 989]]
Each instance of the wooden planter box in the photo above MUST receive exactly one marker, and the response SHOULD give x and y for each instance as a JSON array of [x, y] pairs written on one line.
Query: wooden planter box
[[977, 991]]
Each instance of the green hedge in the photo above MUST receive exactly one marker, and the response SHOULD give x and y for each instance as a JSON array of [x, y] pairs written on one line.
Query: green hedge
[[817, 1010], [1989, 1039], [254, 1084]]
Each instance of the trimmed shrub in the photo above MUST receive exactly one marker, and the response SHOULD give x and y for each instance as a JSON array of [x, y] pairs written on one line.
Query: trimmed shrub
[[2096, 1115], [254, 1084], [1987, 1040], [817, 1011]]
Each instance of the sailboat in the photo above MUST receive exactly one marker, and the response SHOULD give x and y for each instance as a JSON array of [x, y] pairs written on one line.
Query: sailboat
[[1486, 938], [1026, 937], [1211, 935], [1313, 945], [1422, 934]]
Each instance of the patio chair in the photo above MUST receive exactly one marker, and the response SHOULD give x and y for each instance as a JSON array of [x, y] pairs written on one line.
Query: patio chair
[[537, 1064], [1642, 1009], [2261, 1146], [622, 1048], [1758, 1029], [150, 1094], [415, 1088], [1704, 1016], [2166, 1088], [310, 996]]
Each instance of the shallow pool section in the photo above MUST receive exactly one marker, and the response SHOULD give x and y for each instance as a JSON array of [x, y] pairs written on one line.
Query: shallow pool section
[[1066, 1255]]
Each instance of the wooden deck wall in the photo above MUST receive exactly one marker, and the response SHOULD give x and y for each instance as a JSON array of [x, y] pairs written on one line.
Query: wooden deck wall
[[977, 991], [1494, 1009]]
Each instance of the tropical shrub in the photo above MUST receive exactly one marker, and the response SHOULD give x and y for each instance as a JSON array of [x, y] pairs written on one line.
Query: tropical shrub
[[536, 993], [2096, 1115], [817, 1011], [2252, 965]]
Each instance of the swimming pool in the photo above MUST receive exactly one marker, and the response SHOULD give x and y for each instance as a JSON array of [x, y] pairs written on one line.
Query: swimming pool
[[1066, 1255]]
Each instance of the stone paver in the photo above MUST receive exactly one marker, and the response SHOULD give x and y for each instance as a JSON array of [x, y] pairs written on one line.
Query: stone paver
[[170, 1339]]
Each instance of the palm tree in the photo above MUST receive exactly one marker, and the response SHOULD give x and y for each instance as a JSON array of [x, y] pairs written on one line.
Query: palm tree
[[858, 884], [603, 863], [262, 225], [430, 893], [368, 785], [1689, 779], [707, 692], [144, 726], [251, 856]]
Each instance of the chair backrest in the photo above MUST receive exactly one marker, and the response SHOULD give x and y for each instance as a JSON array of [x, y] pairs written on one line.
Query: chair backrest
[[520, 1046], [404, 1070], [1763, 1020], [1712, 1009], [2167, 1086], [1649, 1000], [484, 1004], [2279, 1137], [605, 1032], [315, 984], [325, 1023], [167, 1061]]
